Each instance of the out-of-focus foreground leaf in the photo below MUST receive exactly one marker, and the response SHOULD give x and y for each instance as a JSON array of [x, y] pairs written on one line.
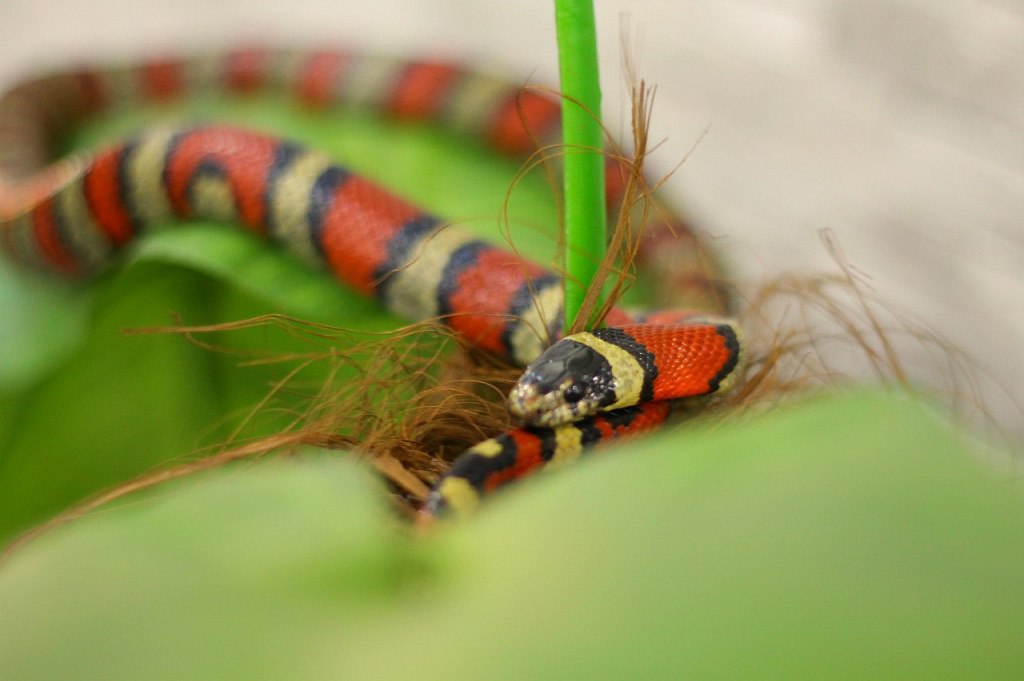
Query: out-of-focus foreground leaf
[[848, 537]]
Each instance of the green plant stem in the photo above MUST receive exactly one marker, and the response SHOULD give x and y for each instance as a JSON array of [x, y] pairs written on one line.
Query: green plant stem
[[583, 186]]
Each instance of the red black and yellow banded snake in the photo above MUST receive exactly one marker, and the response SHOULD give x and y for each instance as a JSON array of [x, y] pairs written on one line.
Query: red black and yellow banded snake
[[72, 215]]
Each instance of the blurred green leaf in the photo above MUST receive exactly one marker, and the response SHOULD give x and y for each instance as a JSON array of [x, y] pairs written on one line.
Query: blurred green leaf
[[44, 321], [846, 538], [238, 576]]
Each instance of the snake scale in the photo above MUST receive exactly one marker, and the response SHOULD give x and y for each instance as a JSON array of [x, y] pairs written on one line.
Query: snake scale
[[72, 215]]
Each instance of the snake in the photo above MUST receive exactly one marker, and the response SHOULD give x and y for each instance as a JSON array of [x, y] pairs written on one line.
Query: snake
[[71, 216]]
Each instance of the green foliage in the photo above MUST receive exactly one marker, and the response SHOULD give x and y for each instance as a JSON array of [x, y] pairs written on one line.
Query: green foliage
[[849, 538]]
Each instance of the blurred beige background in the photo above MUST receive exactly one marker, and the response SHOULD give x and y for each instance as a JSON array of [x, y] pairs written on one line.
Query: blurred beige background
[[898, 124]]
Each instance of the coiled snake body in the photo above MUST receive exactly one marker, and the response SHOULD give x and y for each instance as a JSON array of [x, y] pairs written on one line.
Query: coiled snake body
[[73, 215]]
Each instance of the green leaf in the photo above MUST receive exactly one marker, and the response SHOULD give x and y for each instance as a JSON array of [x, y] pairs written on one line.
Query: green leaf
[[119, 406], [44, 320], [848, 537], [853, 537], [237, 576]]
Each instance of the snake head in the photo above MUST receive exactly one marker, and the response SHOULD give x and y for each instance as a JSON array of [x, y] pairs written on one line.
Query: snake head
[[568, 382]]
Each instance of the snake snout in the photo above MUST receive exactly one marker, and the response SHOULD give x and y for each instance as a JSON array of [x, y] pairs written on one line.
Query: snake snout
[[530, 404], [534, 405]]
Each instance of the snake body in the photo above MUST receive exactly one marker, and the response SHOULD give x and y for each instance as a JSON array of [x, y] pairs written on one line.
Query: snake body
[[71, 216]]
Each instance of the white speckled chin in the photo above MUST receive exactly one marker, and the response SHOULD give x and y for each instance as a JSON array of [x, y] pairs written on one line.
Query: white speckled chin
[[548, 410]]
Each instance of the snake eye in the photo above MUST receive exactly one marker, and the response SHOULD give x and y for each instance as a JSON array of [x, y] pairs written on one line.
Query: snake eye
[[574, 393]]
